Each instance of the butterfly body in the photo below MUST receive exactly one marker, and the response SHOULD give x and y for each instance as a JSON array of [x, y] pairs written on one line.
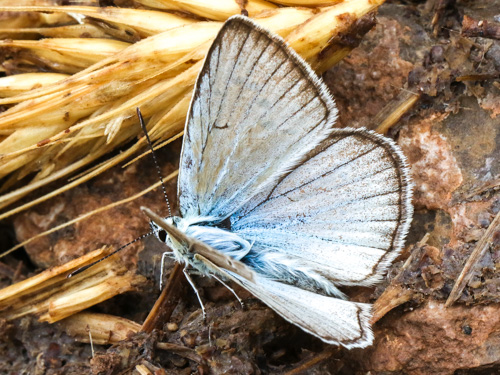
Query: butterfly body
[[200, 229], [275, 198]]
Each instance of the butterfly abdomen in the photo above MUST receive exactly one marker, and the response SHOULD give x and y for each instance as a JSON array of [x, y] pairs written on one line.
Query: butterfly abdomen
[[220, 239]]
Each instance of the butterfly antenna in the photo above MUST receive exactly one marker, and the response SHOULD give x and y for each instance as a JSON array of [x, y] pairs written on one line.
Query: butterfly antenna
[[143, 126], [84, 268]]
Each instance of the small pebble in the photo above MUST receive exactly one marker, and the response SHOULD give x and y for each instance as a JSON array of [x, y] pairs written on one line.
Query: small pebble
[[437, 54], [484, 219], [172, 327]]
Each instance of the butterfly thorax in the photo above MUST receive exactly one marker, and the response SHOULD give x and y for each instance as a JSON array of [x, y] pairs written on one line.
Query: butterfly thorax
[[204, 229]]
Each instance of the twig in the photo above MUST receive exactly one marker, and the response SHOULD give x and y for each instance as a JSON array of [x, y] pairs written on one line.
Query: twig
[[481, 247], [394, 110], [181, 351], [484, 29], [324, 355], [166, 303], [395, 295], [439, 12]]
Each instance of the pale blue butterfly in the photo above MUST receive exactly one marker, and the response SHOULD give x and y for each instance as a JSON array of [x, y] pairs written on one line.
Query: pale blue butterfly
[[276, 199]]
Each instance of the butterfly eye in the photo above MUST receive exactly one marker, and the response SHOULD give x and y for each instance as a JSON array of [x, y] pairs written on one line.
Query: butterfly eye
[[162, 235]]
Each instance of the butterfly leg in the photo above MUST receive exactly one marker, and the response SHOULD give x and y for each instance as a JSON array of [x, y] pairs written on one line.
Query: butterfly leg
[[231, 289], [191, 282]]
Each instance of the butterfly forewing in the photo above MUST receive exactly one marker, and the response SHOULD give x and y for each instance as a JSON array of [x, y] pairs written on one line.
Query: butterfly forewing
[[256, 110], [343, 212]]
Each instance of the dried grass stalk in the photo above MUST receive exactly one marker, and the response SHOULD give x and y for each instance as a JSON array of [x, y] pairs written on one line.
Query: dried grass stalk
[[12, 20], [307, 3], [140, 22], [56, 130], [52, 297], [63, 55], [70, 31], [218, 10]]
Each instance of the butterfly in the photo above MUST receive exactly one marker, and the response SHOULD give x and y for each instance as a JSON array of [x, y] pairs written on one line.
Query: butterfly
[[276, 199]]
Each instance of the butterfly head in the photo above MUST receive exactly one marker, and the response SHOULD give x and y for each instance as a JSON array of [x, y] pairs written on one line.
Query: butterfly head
[[179, 246]]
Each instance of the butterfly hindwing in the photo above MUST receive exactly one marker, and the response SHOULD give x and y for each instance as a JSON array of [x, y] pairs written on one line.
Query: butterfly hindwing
[[257, 108], [331, 319], [341, 214]]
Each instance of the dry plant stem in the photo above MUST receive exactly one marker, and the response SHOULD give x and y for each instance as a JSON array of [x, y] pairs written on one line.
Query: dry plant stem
[[481, 247], [395, 295], [70, 55], [439, 9], [180, 351], [166, 303], [26, 286], [21, 20], [105, 329], [394, 110], [69, 31], [52, 297], [9, 198], [490, 185], [157, 147], [478, 77]]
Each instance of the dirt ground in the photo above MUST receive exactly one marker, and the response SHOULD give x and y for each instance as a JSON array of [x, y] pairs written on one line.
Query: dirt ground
[[446, 53]]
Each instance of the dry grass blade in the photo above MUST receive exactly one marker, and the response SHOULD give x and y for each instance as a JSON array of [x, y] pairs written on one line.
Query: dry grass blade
[[394, 110], [306, 366], [307, 3], [166, 303], [396, 294], [181, 351]]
